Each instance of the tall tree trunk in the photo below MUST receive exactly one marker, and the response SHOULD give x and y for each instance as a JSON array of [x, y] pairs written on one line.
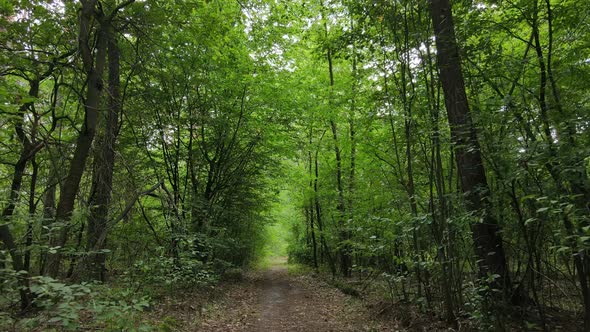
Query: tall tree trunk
[[310, 209], [485, 233], [407, 77], [93, 267], [344, 251], [32, 208], [318, 211], [352, 135], [345, 258], [440, 212], [94, 67], [48, 209], [28, 152], [6, 235]]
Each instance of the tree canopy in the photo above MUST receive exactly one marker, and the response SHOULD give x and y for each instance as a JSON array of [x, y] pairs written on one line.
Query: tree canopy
[[438, 147]]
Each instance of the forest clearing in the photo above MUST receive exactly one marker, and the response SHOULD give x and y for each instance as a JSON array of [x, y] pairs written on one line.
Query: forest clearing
[[294, 165]]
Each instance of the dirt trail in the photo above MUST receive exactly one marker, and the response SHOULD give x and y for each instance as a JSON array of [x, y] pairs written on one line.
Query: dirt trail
[[276, 301], [285, 305]]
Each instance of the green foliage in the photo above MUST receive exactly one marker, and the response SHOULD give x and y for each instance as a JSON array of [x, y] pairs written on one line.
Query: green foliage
[[229, 106], [300, 253], [168, 324], [63, 302], [71, 307], [165, 275], [479, 308]]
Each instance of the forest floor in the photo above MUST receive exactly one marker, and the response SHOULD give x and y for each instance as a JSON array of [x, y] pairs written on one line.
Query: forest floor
[[276, 299], [283, 297]]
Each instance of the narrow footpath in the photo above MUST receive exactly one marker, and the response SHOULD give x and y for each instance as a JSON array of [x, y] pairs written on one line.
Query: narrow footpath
[[274, 300]]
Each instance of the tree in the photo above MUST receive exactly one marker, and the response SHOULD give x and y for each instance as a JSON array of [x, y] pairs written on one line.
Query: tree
[[168, 134], [94, 64], [104, 163], [486, 232]]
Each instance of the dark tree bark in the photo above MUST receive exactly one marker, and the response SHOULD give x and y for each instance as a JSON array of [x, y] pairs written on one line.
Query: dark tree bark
[[94, 67], [28, 152], [345, 258], [32, 208], [440, 210], [318, 211], [6, 235], [93, 53], [352, 136], [310, 208], [486, 233], [92, 267], [48, 209]]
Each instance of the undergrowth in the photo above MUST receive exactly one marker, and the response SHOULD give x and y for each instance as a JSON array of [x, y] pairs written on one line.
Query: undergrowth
[[119, 305]]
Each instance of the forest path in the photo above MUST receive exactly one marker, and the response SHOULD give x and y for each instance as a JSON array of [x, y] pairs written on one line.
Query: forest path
[[274, 300], [285, 305]]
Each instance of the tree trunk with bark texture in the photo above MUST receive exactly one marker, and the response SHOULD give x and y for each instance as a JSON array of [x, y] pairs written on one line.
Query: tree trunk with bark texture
[[28, 152], [92, 267], [486, 235], [94, 67]]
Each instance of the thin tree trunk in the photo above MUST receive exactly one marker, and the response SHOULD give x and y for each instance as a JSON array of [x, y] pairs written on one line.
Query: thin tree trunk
[[352, 135], [318, 211], [48, 211], [344, 252], [28, 152], [32, 208], [579, 182], [310, 212]]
